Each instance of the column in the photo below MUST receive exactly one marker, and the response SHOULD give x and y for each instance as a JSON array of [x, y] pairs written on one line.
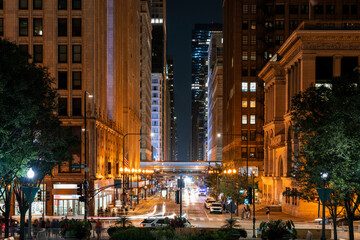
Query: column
[[337, 65]]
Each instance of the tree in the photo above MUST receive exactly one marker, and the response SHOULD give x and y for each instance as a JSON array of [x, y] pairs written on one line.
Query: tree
[[327, 121], [30, 134]]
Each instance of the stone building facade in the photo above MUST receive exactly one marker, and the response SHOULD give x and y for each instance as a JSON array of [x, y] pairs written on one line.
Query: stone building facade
[[92, 49], [311, 56]]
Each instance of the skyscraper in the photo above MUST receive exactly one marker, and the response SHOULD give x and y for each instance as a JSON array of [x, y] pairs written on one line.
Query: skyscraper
[[199, 69], [173, 133]]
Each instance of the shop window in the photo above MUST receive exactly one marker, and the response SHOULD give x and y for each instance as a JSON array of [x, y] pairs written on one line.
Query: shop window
[[62, 27], [252, 153], [23, 27], [76, 53], [62, 4], [244, 103], [62, 80], [62, 53], [244, 135], [244, 119], [23, 4], [252, 119], [76, 27], [37, 4], [38, 27], [76, 4], [76, 106], [245, 71], [38, 54], [244, 86], [294, 9], [252, 135], [76, 80], [63, 110], [244, 153]]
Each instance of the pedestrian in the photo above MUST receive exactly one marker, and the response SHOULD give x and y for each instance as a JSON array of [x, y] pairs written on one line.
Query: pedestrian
[[243, 211], [248, 212], [309, 235], [98, 228], [42, 223], [48, 227], [12, 227], [268, 212]]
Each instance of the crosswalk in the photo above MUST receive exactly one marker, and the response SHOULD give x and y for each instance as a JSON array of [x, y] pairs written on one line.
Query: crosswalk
[[200, 219]]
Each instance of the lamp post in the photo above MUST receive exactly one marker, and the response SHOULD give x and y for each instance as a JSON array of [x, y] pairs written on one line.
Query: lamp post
[[324, 176], [253, 175], [30, 175], [86, 185]]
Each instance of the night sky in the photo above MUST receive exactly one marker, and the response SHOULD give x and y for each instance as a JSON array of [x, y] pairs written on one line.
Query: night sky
[[181, 17]]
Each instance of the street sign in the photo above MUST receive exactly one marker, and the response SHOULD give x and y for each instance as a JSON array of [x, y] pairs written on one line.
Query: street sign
[[180, 183], [321, 194], [30, 195], [117, 183], [78, 166]]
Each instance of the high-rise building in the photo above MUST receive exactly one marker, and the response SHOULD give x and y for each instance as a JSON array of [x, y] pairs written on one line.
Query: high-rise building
[[199, 70], [215, 100], [92, 50], [145, 79], [314, 53], [156, 117], [173, 133], [158, 21], [253, 31]]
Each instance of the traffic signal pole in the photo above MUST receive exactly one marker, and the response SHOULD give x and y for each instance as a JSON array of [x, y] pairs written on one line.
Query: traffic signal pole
[[181, 185]]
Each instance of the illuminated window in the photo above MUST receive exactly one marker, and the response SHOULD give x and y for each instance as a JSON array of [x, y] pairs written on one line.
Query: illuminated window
[[253, 87], [244, 40], [38, 27], [252, 119], [252, 153], [244, 86], [244, 103], [244, 135], [253, 56], [252, 103], [244, 56], [253, 9], [244, 119], [253, 25], [253, 40], [245, 9]]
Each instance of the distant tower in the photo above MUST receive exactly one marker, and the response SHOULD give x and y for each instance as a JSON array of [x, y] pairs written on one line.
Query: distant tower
[[173, 132]]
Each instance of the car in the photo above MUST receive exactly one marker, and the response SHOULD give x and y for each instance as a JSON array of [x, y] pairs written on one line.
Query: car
[[216, 207], [208, 202], [155, 222], [202, 192]]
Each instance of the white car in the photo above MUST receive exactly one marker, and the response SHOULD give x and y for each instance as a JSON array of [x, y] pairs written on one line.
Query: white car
[[154, 222], [208, 202], [216, 208]]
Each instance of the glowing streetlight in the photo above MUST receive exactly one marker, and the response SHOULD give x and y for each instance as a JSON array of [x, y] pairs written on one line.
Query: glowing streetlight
[[30, 173]]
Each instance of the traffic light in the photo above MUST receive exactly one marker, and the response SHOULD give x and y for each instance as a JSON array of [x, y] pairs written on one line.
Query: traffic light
[[177, 196], [38, 196], [82, 199], [249, 195], [80, 189], [316, 199], [47, 195]]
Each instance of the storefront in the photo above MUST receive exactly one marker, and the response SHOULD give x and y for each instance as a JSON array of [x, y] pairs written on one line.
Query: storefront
[[66, 201], [105, 196], [38, 206]]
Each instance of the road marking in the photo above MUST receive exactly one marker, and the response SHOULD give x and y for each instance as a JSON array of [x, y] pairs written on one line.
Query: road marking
[[202, 219], [211, 219]]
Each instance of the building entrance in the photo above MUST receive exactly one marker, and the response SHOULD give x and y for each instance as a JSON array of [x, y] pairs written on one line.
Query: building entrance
[[68, 207]]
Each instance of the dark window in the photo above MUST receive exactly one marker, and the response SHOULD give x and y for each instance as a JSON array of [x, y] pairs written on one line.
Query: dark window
[[244, 152], [268, 10], [294, 9], [279, 24], [62, 27], [244, 71], [38, 27], [330, 9], [245, 25], [74, 151], [23, 27], [76, 80], [1, 4], [62, 4], [319, 9], [117, 168], [252, 152], [354, 9], [23, 4], [76, 106], [38, 54], [76, 4], [269, 24], [109, 167], [280, 9], [62, 80], [24, 48], [323, 69], [349, 65], [293, 24], [1, 27], [63, 107], [345, 9], [304, 9], [253, 72], [37, 4], [244, 135], [252, 135], [62, 53], [76, 53], [76, 27]]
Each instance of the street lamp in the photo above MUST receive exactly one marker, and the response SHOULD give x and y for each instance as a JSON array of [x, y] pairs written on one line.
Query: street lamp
[[86, 185], [253, 200], [30, 174], [324, 176]]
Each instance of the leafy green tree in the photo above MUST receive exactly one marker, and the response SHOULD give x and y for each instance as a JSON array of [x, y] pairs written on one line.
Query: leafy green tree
[[327, 122], [30, 132]]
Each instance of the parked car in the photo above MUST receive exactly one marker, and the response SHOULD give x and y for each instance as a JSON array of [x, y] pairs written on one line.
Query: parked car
[[208, 202], [216, 207]]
